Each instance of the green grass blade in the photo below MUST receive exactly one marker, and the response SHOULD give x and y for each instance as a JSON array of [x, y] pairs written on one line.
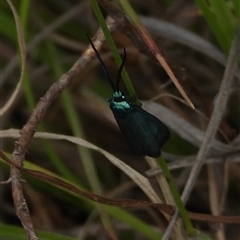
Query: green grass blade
[[220, 19], [187, 223], [113, 48]]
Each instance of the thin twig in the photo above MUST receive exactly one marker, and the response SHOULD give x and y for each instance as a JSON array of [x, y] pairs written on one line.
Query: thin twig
[[212, 127], [217, 114], [28, 132]]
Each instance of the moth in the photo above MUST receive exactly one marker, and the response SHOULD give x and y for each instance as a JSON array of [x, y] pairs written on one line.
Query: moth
[[144, 133]]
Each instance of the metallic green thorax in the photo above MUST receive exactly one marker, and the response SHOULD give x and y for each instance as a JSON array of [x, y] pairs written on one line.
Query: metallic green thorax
[[119, 104]]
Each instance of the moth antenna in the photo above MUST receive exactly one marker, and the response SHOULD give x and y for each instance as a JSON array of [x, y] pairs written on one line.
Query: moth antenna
[[102, 64], [120, 69]]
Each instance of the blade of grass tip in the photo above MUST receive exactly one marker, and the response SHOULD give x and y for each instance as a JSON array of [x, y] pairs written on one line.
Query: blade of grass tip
[[174, 79], [154, 49], [113, 48]]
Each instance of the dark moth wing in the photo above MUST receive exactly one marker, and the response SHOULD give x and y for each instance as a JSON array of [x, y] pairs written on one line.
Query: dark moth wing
[[144, 133]]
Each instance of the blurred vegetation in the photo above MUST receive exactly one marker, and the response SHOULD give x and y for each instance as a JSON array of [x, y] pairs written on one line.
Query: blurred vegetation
[[82, 111]]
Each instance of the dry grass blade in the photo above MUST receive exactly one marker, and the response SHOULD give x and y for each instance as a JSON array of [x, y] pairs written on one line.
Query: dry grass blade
[[125, 203], [155, 51], [187, 161], [217, 112], [140, 180], [214, 121], [22, 47], [175, 33], [40, 37], [185, 129]]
